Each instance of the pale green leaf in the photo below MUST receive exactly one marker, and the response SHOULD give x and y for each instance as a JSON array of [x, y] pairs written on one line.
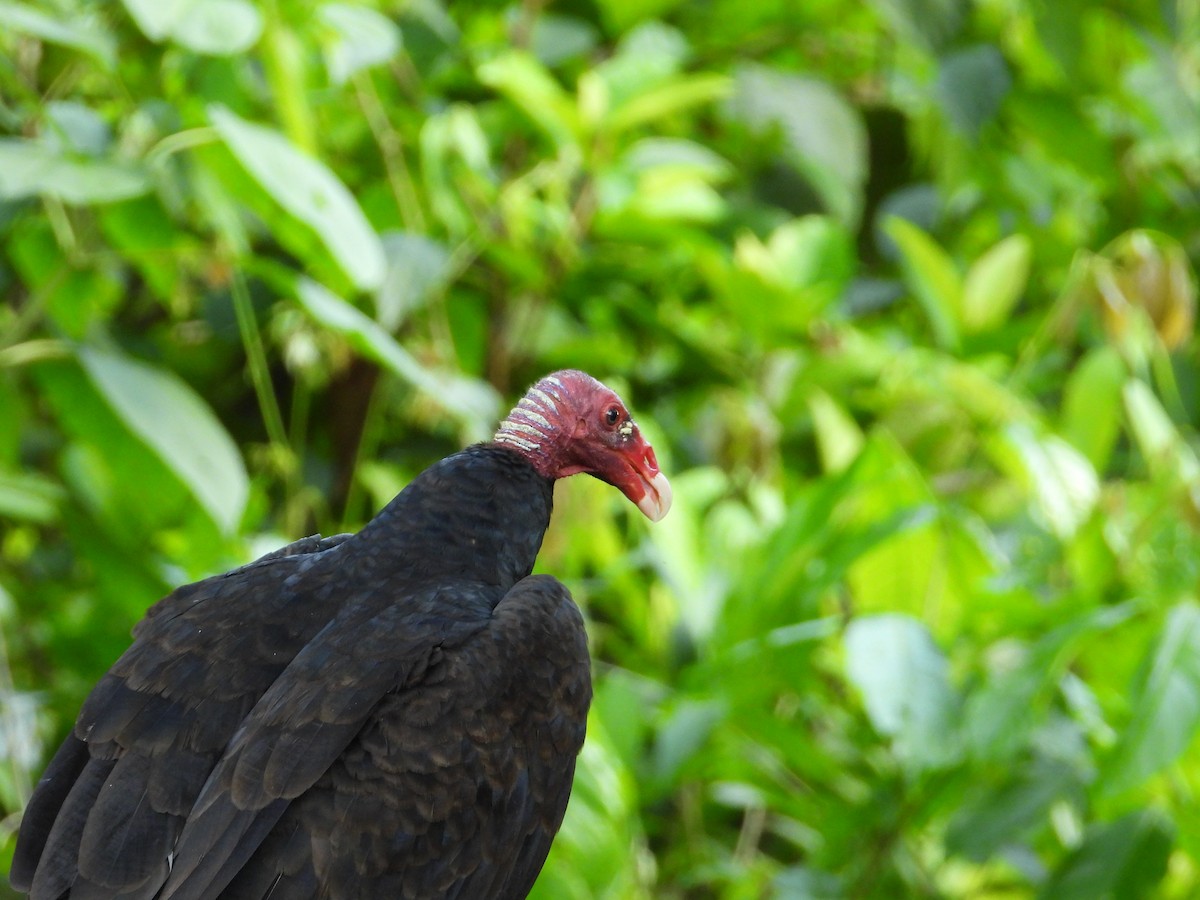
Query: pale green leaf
[[475, 403], [211, 27], [157, 18], [525, 81], [1157, 437], [218, 27], [166, 415], [1091, 405], [418, 267], [932, 276], [904, 681], [28, 168], [995, 283], [1061, 481], [78, 32], [27, 496], [676, 153], [620, 15], [668, 99], [360, 38], [556, 38], [839, 438], [308, 190]]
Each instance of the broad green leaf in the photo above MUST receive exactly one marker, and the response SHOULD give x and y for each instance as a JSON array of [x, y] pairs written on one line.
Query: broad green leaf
[[824, 136], [971, 85], [683, 733], [1003, 815], [801, 253], [668, 195], [360, 38], [29, 168], [83, 33], [73, 127], [779, 287], [212, 27], [1003, 712], [1060, 480], [839, 438], [932, 276], [308, 190], [674, 153], [157, 18], [556, 39], [1091, 405], [27, 496], [219, 27], [995, 283], [418, 267], [806, 883], [668, 99], [1117, 860], [171, 419], [473, 402], [646, 57], [1165, 704], [454, 154], [904, 682], [1162, 446], [524, 81], [926, 23]]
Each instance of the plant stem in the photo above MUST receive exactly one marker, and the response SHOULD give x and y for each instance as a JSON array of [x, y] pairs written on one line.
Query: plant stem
[[256, 359]]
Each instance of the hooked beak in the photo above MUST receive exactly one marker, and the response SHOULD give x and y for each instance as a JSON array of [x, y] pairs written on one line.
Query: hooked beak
[[657, 499], [648, 487]]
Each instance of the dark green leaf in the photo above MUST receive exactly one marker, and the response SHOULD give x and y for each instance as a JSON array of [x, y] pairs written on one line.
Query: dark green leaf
[[972, 83], [1165, 703], [1121, 860], [824, 135]]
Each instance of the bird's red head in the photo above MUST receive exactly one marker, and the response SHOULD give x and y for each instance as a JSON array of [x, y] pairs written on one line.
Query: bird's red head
[[569, 423]]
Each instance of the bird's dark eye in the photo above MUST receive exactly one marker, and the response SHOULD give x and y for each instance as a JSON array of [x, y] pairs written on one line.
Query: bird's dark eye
[[612, 415]]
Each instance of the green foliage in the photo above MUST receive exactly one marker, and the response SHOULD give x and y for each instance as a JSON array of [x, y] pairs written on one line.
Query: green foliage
[[902, 291]]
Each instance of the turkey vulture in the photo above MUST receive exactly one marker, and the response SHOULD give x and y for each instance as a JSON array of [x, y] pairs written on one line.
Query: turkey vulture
[[389, 714]]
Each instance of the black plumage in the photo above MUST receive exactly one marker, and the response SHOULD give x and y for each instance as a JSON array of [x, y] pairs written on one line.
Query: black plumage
[[393, 713]]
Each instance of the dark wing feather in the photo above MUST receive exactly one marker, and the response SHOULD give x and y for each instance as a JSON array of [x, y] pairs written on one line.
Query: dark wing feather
[[303, 723], [52, 790], [126, 841], [56, 870], [157, 721], [456, 784]]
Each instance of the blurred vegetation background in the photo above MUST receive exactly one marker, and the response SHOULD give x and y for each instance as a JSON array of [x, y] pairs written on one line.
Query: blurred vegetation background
[[902, 291]]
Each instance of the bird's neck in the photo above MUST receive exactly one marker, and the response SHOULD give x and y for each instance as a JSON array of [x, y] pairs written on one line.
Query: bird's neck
[[478, 515]]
